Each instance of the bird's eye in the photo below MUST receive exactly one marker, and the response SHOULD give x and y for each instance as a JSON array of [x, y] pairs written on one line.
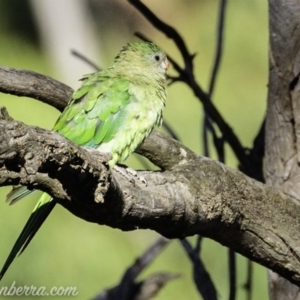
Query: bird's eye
[[157, 57]]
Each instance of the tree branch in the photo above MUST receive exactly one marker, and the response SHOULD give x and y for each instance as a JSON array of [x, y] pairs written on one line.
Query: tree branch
[[202, 278], [37, 86], [192, 195]]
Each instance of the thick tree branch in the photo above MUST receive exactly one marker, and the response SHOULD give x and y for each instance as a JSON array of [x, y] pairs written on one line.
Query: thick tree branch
[[196, 196], [192, 195], [37, 86]]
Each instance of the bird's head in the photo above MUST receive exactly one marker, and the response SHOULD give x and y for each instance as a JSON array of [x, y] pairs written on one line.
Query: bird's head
[[142, 59]]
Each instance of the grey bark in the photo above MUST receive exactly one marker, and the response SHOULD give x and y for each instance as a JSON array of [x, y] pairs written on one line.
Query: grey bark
[[190, 195], [283, 117]]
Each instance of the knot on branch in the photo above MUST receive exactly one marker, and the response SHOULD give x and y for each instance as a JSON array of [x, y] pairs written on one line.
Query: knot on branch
[[4, 114]]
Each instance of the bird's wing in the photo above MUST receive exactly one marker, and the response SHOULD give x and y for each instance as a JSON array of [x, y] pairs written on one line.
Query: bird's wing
[[95, 112]]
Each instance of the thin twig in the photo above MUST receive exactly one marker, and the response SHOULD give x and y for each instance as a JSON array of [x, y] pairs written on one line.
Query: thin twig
[[127, 282], [85, 59], [256, 156], [186, 75], [218, 141], [145, 259], [207, 124], [205, 129], [170, 131], [128, 288], [232, 274], [248, 284], [219, 47], [202, 278], [168, 30]]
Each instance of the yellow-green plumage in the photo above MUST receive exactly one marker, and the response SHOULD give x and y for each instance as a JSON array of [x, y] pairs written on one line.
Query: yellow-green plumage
[[113, 111], [116, 109]]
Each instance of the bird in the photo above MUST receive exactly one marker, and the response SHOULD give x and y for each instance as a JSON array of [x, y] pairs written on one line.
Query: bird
[[113, 111]]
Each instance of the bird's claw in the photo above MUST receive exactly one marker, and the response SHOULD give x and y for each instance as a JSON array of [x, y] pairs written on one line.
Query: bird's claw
[[135, 174], [130, 175]]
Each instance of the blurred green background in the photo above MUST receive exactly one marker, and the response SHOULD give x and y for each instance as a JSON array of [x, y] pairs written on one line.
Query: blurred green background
[[69, 251]]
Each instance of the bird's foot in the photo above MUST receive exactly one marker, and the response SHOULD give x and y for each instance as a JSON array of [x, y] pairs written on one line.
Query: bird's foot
[[130, 175]]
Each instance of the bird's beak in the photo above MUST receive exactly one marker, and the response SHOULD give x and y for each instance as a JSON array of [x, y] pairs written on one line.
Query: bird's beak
[[166, 64]]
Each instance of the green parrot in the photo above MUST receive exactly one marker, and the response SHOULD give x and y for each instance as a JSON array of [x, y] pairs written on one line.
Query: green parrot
[[113, 111]]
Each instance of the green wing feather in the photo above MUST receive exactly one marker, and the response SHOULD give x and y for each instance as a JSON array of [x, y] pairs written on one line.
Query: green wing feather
[[96, 116]]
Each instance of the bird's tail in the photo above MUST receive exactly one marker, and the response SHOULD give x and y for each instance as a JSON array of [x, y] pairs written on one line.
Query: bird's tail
[[17, 193], [35, 221]]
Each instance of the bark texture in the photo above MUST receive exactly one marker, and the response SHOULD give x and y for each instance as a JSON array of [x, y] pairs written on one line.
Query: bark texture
[[190, 195], [283, 117]]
